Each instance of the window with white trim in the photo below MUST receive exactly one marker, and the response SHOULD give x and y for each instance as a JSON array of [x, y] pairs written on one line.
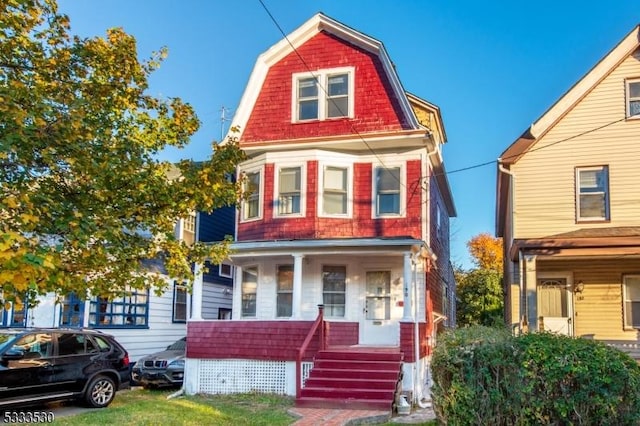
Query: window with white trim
[[388, 194], [633, 98], [252, 189], [225, 270], [592, 193], [323, 94], [190, 223], [249, 291], [284, 297], [334, 280], [335, 191], [180, 298], [289, 190], [631, 306]]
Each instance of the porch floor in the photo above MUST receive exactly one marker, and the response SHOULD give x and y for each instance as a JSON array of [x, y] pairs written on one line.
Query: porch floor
[[364, 348]]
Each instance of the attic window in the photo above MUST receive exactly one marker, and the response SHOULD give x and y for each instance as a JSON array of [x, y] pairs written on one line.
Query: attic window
[[323, 94], [633, 98]]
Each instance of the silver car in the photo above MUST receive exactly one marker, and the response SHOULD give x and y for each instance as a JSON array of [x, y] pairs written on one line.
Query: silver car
[[165, 368]]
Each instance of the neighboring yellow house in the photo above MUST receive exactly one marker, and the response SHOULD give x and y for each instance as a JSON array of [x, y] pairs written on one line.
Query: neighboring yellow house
[[568, 209]]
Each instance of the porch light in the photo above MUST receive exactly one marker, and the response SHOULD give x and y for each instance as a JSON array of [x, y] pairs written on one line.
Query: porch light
[[579, 287]]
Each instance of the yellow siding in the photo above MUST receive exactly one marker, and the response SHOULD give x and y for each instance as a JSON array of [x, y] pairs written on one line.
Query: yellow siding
[[598, 309], [545, 176]]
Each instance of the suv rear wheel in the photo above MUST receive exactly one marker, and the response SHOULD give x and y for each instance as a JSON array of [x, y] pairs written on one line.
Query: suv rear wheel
[[100, 392]]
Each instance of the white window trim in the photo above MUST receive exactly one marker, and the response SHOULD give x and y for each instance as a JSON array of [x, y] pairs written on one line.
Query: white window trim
[[258, 271], [322, 77], [230, 275], [303, 189], [607, 194], [374, 189], [629, 99], [260, 170], [624, 302], [321, 168]]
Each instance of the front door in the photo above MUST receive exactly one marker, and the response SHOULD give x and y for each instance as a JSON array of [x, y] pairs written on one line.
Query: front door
[[554, 306], [377, 326]]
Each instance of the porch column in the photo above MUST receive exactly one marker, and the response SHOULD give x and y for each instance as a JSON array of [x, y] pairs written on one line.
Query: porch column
[[406, 288], [196, 305], [531, 288], [236, 307], [296, 308]]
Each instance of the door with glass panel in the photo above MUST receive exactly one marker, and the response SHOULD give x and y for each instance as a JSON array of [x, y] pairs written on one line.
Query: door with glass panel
[[554, 306], [378, 327]]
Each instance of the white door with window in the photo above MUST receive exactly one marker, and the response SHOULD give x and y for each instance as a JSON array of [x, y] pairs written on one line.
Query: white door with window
[[554, 306], [377, 326]]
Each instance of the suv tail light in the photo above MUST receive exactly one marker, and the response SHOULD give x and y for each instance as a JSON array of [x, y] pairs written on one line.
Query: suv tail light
[[125, 360]]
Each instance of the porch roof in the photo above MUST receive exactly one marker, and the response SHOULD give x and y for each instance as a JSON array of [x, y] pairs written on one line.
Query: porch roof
[[593, 242], [324, 246]]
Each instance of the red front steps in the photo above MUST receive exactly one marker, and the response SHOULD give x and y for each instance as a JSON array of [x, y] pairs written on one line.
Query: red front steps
[[353, 378]]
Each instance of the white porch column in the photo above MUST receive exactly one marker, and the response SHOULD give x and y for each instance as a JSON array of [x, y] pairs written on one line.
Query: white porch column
[[531, 296], [296, 311], [406, 288], [236, 307], [196, 311]]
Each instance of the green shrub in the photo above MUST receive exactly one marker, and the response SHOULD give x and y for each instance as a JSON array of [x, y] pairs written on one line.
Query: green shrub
[[487, 376]]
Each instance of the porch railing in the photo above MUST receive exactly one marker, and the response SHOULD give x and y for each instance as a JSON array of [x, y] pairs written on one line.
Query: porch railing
[[319, 322]]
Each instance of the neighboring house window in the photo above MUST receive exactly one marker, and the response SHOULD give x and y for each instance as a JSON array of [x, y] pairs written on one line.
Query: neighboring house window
[[334, 279], [387, 187], [225, 270], [72, 311], [632, 301], [251, 203], [439, 224], [592, 198], [335, 191], [180, 298], [633, 98], [224, 313], [18, 315], [289, 190], [190, 223], [249, 291], [323, 94], [130, 311], [284, 297]]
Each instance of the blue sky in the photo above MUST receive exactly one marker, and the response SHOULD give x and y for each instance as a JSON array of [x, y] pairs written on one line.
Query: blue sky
[[492, 67]]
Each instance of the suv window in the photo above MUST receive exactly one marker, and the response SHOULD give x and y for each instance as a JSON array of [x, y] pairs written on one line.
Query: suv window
[[102, 344], [74, 344], [34, 345]]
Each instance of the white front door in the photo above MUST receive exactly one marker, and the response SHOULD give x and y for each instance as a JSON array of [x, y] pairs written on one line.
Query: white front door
[[377, 326], [554, 306]]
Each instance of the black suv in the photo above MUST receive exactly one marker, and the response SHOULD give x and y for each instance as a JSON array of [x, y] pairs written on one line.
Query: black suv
[[40, 365]]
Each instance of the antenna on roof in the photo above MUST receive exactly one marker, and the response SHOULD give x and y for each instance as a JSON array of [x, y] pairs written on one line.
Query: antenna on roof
[[223, 120]]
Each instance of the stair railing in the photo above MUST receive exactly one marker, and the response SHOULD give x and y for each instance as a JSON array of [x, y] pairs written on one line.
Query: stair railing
[[319, 322]]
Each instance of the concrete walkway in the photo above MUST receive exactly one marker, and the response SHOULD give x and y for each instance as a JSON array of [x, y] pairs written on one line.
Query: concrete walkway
[[332, 417]]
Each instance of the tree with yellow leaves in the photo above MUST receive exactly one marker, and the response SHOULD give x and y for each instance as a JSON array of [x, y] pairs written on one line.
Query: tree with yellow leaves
[[83, 199]]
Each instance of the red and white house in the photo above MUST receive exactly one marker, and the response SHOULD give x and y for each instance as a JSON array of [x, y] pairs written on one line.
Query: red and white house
[[341, 251]]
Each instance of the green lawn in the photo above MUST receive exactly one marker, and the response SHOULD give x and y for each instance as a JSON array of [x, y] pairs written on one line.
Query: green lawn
[[148, 407]]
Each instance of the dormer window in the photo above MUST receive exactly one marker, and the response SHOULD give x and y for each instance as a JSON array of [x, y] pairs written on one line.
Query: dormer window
[[323, 94], [633, 98]]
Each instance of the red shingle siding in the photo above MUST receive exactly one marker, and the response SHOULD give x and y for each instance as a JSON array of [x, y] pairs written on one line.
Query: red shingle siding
[[361, 225], [407, 340], [376, 107], [266, 340], [342, 333]]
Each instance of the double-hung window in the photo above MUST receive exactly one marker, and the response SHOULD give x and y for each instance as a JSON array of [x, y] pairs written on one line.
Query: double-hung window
[[633, 98], [334, 280], [180, 299], [251, 202], [592, 193], [335, 191], [631, 301], [284, 297], [289, 190], [388, 193], [249, 291], [323, 94]]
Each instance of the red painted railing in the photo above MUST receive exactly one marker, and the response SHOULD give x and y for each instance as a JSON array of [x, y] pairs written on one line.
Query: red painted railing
[[319, 322]]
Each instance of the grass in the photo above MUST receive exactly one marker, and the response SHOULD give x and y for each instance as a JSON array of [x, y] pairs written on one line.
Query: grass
[[151, 407]]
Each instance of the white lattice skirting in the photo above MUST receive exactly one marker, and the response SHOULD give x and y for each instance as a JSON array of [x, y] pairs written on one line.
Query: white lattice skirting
[[226, 376]]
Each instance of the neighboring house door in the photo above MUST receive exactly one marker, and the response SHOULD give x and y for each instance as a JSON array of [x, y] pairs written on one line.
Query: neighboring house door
[[377, 327], [554, 306]]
